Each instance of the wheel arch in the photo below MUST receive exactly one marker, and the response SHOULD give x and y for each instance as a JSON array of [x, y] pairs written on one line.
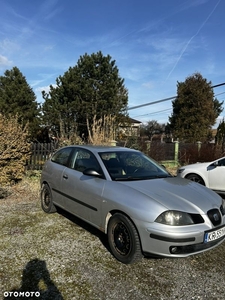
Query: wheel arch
[[113, 212], [44, 182], [199, 175]]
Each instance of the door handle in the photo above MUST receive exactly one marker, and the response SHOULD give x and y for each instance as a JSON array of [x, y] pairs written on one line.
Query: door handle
[[65, 176]]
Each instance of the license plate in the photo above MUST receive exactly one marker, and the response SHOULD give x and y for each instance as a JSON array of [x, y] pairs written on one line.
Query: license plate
[[214, 235]]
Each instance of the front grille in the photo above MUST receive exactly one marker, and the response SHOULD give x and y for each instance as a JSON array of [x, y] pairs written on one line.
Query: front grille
[[214, 216]]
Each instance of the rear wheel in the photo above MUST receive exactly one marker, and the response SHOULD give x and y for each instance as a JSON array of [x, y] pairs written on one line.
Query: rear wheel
[[46, 200], [123, 239], [195, 178]]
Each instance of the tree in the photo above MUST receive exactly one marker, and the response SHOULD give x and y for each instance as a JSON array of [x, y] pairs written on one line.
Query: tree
[[18, 99], [151, 128], [220, 135], [194, 110], [88, 97], [61, 106]]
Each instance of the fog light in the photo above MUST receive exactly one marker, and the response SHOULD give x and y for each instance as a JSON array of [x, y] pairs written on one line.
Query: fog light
[[173, 250]]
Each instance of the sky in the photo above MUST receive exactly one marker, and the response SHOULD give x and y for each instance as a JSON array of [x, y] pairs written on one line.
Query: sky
[[155, 44]]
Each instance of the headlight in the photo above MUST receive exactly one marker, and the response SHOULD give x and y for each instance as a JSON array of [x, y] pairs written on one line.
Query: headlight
[[223, 207], [174, 218], [180, 171]]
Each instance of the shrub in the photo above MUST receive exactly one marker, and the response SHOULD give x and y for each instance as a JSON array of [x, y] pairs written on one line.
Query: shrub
[[101, 132], [14, 149]]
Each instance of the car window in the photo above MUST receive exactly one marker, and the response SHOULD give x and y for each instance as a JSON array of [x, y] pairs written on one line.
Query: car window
[[221, 162], [61, 157], [131, 166], [83, 159], [138, 161]]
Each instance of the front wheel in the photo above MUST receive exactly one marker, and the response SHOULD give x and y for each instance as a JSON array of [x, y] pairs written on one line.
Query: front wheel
[[123, 239], [195, 178], [46, 200]]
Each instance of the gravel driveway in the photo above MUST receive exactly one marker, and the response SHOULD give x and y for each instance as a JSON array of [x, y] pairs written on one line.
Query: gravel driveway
[[59, 257]]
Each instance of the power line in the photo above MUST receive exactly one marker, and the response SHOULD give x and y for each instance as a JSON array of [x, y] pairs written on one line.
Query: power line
[[219, 94], [218, 85], [159, 111], [151, 103], [166, 99], [154, 113]]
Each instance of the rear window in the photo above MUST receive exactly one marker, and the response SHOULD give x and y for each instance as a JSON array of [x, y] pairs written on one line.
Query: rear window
[[62, 156]]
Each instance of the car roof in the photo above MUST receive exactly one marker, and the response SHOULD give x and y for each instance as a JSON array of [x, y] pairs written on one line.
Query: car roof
[[100, 148]]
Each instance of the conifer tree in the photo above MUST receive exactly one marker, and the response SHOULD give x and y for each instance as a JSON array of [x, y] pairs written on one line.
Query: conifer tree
[[194, 110], [18, 99], [86, 97], [220, 135]]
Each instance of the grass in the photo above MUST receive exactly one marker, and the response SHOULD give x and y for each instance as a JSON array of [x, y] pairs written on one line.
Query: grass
[[64, 258]]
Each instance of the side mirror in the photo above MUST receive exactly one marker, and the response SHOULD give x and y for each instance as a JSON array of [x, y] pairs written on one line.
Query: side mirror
[[91, 172]]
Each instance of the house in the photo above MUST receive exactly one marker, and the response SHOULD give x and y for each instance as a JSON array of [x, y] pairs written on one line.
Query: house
[[130, 128]]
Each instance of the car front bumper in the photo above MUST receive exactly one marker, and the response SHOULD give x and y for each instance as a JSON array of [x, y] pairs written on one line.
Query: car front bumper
[[178, 241]]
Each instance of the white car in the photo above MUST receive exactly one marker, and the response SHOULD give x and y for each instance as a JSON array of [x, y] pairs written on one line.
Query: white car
[[211, 174]]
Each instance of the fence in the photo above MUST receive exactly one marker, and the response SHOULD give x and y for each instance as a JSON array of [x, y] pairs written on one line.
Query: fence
[[182, 153], [167, 153], [39, 154]]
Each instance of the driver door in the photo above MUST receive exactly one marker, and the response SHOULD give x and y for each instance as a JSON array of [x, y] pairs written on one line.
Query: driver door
[[82, 193]]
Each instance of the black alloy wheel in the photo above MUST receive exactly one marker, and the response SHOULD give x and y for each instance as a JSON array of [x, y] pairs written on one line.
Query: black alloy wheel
[[46, 200], [195, 178], [123, 239]]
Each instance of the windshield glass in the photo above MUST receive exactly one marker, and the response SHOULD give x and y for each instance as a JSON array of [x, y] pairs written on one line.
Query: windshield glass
[[129, 165]]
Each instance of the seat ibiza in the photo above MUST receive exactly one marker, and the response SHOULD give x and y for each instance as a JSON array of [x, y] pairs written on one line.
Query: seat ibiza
[[141, 208]]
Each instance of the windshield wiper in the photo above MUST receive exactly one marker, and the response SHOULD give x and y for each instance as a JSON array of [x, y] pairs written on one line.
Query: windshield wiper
[[163, 176], [130, 178]]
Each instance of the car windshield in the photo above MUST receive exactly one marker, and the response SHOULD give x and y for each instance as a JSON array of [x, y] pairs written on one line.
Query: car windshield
[[130, 165]]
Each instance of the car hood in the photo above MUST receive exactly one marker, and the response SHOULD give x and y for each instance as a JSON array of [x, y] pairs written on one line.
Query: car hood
[[177, 193], [196, 166]]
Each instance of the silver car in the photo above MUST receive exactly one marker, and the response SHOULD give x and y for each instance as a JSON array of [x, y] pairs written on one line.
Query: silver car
[[135, 201]]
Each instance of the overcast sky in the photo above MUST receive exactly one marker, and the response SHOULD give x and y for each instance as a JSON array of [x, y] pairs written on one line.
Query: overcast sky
[[154, 43]]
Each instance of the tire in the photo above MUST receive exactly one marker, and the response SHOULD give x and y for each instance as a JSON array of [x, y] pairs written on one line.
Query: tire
[[123, 239], [195, 178], [46, 200]]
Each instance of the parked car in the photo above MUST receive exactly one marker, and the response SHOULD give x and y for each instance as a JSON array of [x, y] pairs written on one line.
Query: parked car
[[135, 201], [211, 174]]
